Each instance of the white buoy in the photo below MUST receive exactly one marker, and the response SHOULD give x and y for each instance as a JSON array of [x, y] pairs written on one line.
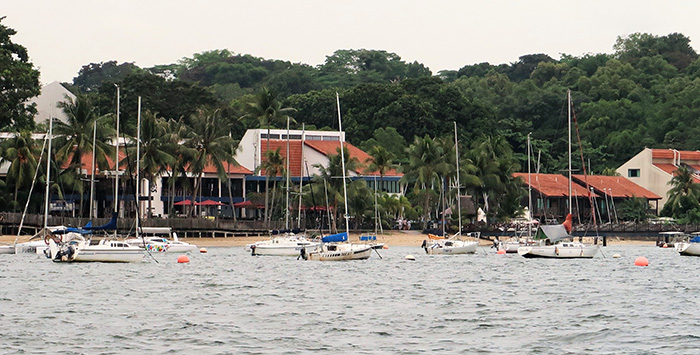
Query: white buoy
[[617, 256], [410, 257]]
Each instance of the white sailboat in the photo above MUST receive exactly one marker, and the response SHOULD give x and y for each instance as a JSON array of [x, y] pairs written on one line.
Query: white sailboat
[[71, 245], [336, 247], [453, 244], [552, 239]]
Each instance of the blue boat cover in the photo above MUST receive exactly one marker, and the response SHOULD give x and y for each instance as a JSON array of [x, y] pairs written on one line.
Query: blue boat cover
[[111, 225], [695, 239], [340, 237]]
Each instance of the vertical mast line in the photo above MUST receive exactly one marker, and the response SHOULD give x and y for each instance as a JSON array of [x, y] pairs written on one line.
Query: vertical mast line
[[342, 160]]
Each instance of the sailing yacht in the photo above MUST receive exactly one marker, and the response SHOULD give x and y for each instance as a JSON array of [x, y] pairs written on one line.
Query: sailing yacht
[[454, 244], [336, 247], [553, 239]]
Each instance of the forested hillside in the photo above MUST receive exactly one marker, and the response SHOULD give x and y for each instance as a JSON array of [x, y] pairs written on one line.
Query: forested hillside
[[643, 94]]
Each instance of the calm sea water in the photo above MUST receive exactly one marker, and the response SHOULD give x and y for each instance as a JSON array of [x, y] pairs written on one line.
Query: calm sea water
[[226, 301]]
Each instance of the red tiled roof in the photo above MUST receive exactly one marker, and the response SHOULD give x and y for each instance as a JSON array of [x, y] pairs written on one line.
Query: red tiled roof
[[553, 185], [671, 169], [229, 168], [86, 162], [331, 148], [615, 186], [294, 153], [668, 154]]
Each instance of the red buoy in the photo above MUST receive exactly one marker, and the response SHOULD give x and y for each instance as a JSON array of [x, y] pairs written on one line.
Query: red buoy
[[641, 261], [385, 246], [202, 250], [183, 259], [501, 251]]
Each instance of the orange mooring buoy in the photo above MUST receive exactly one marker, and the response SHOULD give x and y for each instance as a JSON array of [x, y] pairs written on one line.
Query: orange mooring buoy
[[501, 251], [385, 246], [183, 259], [641, 261], [203, 250]]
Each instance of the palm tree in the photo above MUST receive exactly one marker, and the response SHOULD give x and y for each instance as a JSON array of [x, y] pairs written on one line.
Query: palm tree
[[76, 135], [274, 165], [426, 162], [332, 174], [684, 193], [212, 144], [155, 151], [382, 161], [176, 133], [21, 152], [266, 109]]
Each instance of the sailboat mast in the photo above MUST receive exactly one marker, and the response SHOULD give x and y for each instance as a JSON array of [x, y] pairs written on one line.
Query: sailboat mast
[[138, 167], [48, 177], [342, 161], [301, 175], [286, 213], [529, 187], [116, 163], [568, 95], [459, 202], [92, 173]]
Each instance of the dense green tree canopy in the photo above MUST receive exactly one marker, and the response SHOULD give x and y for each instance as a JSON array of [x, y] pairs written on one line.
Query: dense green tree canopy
[[19, 81]]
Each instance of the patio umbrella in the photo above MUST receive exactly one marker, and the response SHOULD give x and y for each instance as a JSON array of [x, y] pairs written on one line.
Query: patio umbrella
[[247, 204], [208, 203], [183, 203]]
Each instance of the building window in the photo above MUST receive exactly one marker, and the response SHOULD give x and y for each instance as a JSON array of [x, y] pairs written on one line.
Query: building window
[[331, 138], [272, 136], [632, 173], [313, 138]]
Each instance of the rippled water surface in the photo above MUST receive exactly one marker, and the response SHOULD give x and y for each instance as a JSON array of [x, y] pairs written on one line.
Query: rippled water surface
[[226, 301]]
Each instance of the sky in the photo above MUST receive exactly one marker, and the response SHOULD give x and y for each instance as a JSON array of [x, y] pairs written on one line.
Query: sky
[[63, 35]]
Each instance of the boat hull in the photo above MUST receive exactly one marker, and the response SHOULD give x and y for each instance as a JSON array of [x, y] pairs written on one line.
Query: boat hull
[[109, 255], [559, 252], [340, 252], [688, 249], [280, 249], [7, 249], [451, 247]]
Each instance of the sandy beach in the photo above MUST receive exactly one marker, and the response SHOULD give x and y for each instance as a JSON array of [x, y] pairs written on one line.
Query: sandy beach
[[391, 238]]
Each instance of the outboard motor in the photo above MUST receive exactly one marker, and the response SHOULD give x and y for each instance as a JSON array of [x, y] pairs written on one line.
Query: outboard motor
[[425, 246], [252, 250], [302, 253]]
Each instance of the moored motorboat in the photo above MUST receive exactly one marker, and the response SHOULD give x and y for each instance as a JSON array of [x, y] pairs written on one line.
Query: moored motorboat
[[161, 240], [73, 247], [289, 244], [7, 249], [689, 247], [436, 245]]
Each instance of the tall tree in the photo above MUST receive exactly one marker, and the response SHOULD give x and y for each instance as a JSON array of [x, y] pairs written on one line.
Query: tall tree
[[212, 144], [684, 194], [20, 152], [19, 82]]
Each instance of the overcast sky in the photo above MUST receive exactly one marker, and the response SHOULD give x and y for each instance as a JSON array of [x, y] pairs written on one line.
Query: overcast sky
[[64, 35]]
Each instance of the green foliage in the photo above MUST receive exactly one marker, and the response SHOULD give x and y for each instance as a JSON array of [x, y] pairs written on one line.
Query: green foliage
[[92, 76], [19, 81], [634, 209]]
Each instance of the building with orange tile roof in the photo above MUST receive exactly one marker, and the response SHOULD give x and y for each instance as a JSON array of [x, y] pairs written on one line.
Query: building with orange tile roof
[[653, 169], [307, 151]]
